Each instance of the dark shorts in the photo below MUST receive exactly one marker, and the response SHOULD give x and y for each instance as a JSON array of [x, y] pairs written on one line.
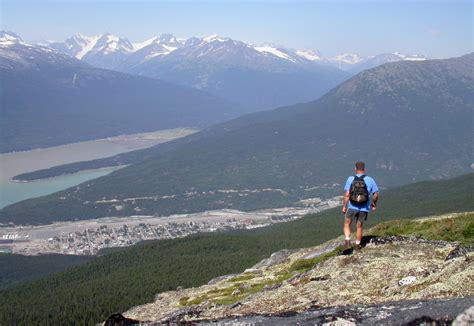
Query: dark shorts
[[356, 215]]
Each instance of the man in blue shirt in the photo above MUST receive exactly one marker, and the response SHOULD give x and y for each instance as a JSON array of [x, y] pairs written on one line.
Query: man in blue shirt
[[358, 211]]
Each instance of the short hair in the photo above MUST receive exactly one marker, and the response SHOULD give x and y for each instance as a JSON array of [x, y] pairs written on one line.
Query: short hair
[[360, 166]]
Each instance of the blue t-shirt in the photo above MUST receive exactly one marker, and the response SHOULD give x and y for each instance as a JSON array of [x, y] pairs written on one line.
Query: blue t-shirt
[[371, 188]]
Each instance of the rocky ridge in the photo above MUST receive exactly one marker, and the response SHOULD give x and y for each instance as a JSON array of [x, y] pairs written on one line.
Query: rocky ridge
[[389, 270]]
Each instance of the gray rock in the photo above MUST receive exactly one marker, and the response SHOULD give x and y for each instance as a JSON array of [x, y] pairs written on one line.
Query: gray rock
[[275, 259], [459, 251], [322, 251], [407, 312], [396, 238], [221, 278], [466, 318]]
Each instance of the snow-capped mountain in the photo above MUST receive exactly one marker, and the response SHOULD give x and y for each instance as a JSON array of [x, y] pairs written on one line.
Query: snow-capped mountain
[[18, 54], [309, 55], [108, 51], [151, 48], [8, 38], [103, 51], [343, 61], [76, 46], [235, 70], [377, 60], [226, 67], [113, 52]]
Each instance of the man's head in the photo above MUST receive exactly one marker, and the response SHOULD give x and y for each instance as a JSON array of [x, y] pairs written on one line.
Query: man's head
[[360, 167]]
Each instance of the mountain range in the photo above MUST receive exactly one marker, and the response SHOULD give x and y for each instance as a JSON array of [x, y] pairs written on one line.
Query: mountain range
[[225, 67], [407, 120], [50, 98], [101, 48]]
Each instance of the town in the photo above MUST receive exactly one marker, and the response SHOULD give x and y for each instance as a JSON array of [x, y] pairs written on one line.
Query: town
[[91, 236], [91, 241]]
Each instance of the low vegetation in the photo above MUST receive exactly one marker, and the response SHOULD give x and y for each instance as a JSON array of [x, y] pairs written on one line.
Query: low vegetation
[[303, 265], [460, 229]]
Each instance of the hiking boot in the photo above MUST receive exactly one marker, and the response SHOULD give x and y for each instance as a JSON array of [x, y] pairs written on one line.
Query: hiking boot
[[357, 247], [347, 244]]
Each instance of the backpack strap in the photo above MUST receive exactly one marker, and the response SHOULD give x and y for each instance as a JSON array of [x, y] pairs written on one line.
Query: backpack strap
[[356, 177]]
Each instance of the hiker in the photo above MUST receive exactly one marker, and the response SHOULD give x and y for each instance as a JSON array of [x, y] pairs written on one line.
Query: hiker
[[361, 195]]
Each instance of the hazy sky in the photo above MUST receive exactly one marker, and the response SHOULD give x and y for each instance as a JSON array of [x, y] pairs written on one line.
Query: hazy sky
[[437, 29]]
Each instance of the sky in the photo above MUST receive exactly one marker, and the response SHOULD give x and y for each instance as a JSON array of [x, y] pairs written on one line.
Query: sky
[[438, 29]]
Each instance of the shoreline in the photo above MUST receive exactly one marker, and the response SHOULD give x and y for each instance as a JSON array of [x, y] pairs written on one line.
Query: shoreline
[[111, 138], [116, 167]]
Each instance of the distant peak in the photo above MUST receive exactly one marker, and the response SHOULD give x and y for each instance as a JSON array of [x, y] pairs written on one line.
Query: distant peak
[[9, 38], [349, 58], [141, 45], [275, 52], [214, 37], [410, 57], [167, 38], [309, 55]]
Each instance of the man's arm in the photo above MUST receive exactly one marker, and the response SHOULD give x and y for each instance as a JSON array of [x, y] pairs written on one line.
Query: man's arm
[[375, 197], [347, 188], [345, 201]]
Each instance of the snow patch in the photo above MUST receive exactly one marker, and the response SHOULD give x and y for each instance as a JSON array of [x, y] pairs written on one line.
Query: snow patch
[[138, 46], [308, 54], [91, 41], [275, 52], [349, 58], [214, 37], [9, 38], [410, 57]]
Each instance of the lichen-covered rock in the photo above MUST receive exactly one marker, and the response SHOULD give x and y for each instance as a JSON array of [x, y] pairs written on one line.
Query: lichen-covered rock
[[276, 258], [466, 318], [460, 251]]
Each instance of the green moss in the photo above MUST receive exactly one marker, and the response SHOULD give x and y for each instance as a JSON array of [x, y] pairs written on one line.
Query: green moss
[[197, 300], [254, 288], [185, 301], [283, 276], [222, 291], [303, 265], [243, 277], [459, 228], [229, 299]]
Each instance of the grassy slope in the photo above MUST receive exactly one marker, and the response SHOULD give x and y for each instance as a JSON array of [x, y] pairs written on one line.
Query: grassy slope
[[127, 277], [459, 228]]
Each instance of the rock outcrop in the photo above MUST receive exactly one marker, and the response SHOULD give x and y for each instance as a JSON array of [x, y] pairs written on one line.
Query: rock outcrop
[[389, 277]]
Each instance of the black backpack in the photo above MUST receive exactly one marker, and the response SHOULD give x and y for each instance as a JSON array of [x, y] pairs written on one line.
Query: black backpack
[[358, 194]]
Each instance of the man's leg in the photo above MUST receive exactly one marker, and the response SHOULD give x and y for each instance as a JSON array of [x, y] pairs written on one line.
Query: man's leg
[[361, 218], [359, 232], [347, 230]]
